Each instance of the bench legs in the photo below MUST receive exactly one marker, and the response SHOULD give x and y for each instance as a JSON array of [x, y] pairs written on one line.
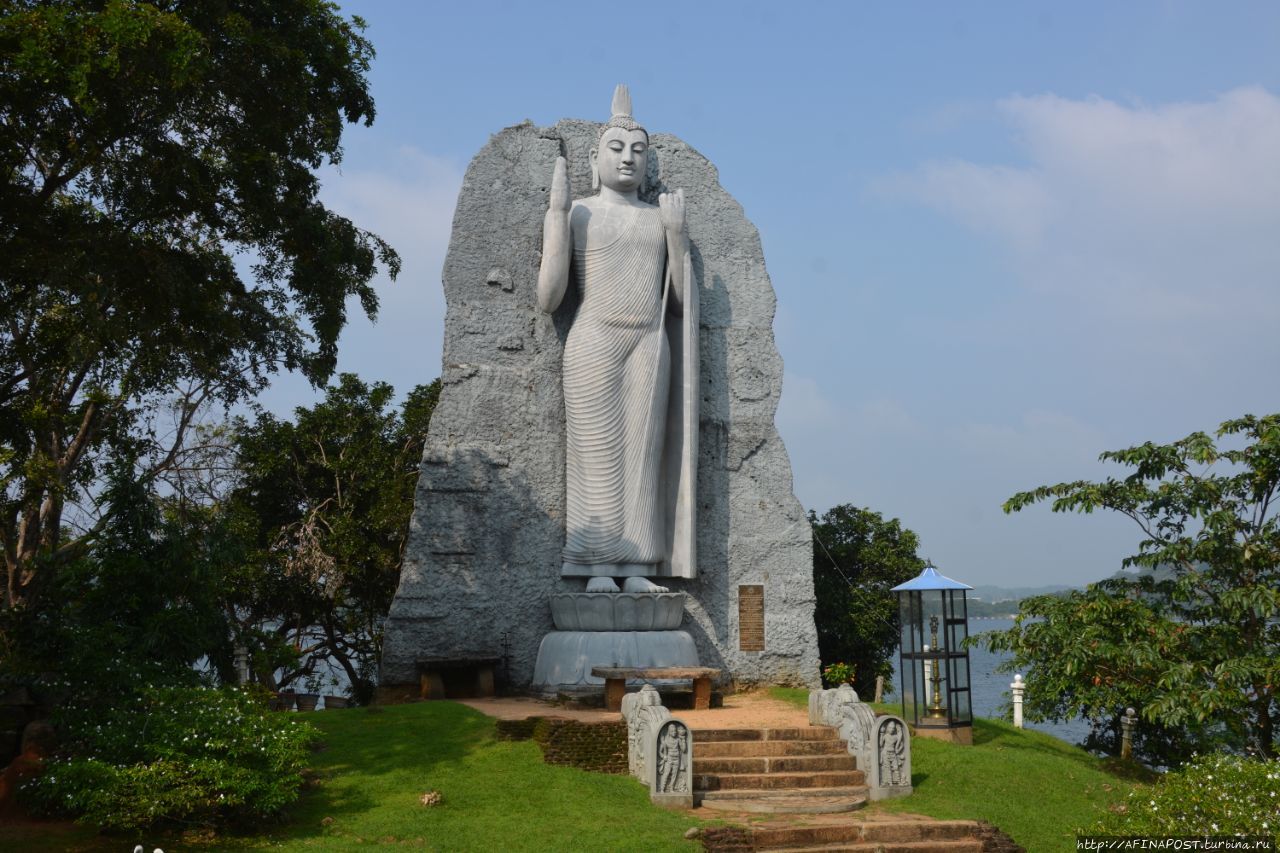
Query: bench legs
[[614, 688], [701, 694], [484, 682], [432, 685]]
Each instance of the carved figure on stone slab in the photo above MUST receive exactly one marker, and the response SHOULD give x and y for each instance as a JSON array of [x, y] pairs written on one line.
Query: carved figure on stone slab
[[892, 753], [630, 366], [673, 748]]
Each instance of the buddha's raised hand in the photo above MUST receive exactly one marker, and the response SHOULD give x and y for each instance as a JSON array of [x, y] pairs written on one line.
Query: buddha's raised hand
[[671, 207], [560, 187]]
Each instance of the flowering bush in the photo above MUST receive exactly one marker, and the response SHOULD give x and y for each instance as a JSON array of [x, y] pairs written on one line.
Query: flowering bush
[[838, 673], [1215, 795], [196, 755]]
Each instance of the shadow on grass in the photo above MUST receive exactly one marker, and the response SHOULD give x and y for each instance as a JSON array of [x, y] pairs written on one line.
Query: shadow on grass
[[409, 740], [1130, 770], [378, 743], [1001, 736]]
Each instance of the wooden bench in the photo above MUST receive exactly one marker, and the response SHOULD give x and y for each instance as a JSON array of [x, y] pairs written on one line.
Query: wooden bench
[[477, 680], [615, 681]]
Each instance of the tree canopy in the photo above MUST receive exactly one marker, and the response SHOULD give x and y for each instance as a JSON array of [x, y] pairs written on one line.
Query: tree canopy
[[322, 506], [858, 557], [161, 235], [1191, 636]]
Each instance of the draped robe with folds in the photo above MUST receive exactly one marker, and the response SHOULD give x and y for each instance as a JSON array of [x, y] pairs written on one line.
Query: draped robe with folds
[[630, 430]]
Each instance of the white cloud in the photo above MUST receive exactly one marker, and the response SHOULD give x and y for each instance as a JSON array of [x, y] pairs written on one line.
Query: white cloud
[[1004, 202], [408, 200], [1160, 218]]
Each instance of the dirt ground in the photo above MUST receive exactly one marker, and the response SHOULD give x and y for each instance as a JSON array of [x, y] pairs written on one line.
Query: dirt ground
[[741, 710]]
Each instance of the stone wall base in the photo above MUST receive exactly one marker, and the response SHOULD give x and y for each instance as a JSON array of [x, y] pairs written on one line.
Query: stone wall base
[[962, 735]]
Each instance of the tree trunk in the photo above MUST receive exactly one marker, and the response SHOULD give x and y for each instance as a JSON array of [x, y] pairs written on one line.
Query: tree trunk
[[1266, 732]]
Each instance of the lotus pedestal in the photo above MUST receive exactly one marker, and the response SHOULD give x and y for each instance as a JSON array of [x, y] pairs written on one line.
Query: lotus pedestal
[[610, 629]]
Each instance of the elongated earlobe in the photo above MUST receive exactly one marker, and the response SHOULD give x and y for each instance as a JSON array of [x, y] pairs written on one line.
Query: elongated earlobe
[[595, 171]]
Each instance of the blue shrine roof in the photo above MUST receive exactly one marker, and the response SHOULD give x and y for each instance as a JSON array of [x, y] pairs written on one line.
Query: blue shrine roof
[[929, 579]]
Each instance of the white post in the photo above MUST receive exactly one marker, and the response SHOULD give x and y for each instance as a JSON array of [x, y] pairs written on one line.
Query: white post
[[1018, 688], [928, 678], [241, 662], [1128, 723]]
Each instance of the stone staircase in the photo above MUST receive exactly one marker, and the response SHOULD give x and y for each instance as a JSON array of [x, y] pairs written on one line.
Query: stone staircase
[[807, 781], [883, 834], [789, 771]]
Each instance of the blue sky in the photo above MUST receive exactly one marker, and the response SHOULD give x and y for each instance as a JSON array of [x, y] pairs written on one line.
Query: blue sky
[[1004, 236]]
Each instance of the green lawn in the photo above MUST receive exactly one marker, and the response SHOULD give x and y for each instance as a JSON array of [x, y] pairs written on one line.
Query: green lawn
[[1035, 787], [501, 796], [497, 795]]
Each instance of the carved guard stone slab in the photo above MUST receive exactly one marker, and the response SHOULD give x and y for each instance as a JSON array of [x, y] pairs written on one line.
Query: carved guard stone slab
[[890, 772], [670, 770]]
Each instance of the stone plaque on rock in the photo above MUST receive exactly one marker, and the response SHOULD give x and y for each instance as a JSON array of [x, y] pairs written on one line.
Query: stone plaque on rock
[[751, 618]]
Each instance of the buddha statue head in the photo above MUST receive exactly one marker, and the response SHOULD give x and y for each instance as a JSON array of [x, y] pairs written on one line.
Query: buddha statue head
[[620, 157]]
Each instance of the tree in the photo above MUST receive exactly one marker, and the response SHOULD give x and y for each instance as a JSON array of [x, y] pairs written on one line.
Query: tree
[[857, 558], [144, 148], [324, 504], [1191, 636], [143, 607]]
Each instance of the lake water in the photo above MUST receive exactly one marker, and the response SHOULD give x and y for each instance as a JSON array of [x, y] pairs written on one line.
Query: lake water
[[990, 689]]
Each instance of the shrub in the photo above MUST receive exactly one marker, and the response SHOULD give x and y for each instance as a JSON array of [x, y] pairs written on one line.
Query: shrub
[[838, 673], [1215, 795], [195, 755]]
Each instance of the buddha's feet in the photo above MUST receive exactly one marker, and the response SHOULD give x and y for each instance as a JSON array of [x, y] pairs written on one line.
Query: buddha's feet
[[642, 585], [605, 584]]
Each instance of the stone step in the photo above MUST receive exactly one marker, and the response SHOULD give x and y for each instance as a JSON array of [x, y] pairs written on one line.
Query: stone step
[[776, 764], [761, 748], [870, 832], [806, 733], [775, 781], [749, 794], [790, 802], [968, 845]]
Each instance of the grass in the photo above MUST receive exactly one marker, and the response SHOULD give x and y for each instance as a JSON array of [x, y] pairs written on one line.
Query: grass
[[497, 795], [799, 696], [1038, 789], [501, 796]]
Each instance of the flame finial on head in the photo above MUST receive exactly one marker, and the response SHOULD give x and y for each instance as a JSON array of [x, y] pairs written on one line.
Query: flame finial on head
[[621, 101], [621, 110]]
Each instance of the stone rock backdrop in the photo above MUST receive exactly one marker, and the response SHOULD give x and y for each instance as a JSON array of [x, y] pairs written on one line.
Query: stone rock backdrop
[[484, 546]]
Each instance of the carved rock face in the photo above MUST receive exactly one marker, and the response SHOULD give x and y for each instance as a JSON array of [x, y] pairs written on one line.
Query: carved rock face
[[485, 546]]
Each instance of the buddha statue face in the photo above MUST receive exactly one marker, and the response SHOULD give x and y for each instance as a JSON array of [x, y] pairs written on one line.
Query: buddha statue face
[[621, 158]]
